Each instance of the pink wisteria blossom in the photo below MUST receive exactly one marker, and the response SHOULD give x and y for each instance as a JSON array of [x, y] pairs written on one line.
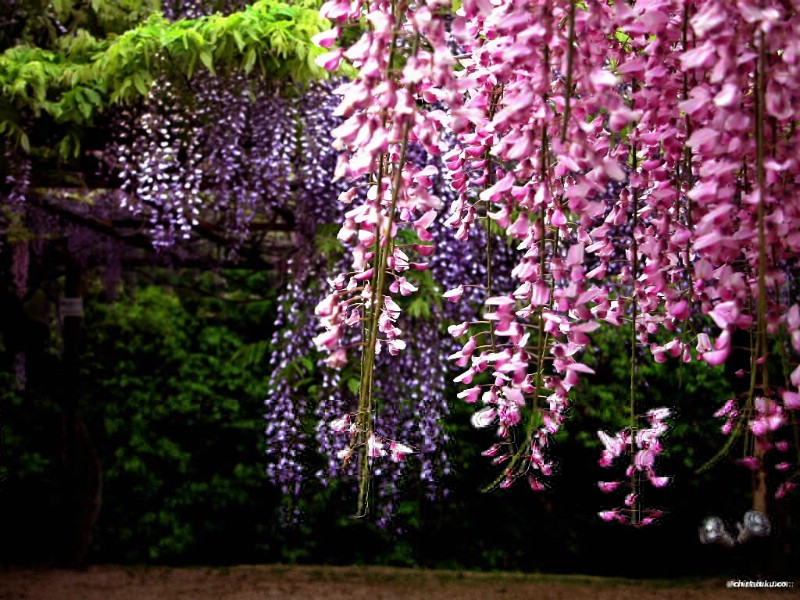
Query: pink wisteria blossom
[[624, 152]]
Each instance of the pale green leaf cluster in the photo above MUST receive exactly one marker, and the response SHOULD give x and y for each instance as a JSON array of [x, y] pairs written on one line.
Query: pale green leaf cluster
[[81, 74]]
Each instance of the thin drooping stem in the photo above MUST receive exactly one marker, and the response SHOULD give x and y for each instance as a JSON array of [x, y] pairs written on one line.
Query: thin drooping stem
[[762, 349], [541, 335], [761, 308], [496, 95], [570, 64], [368, 372], [688, 179], [383, 249], [632, 341]]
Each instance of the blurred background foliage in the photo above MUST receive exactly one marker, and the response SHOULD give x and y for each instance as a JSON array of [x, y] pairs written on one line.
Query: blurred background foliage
[[172, 394]]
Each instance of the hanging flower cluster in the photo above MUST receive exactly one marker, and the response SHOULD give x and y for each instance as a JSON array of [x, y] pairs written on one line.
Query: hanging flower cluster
[[390, 195], [409, 387], [218, 162], [14, 189], [248, 152], [639, 156], [190, 160], [644, 445]]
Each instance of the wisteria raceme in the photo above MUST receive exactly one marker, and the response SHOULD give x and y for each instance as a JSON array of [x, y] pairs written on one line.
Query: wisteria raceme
[[286, 404], [501, 119], [159, 166], [381, 119], [14, 190], [644, 445], [17, 179], [639, 156], [410, 386], [315, 206], [20, 263]]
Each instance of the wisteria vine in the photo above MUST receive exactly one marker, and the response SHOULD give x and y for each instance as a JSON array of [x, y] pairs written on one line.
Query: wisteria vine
[[639, 155], [552, 167]]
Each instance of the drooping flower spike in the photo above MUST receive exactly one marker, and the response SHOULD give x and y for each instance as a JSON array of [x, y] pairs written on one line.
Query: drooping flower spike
[[622, 151]]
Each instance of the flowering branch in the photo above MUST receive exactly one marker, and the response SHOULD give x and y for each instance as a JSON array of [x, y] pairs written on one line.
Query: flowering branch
[[569, 148]]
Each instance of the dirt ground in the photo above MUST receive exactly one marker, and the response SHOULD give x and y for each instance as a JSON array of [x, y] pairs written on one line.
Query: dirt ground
[[267, 582]]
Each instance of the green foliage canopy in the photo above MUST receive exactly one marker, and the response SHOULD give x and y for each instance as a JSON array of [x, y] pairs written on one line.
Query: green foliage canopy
[[81, 74]]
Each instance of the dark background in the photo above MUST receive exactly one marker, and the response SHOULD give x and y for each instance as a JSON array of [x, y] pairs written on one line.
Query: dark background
[[171, 395]]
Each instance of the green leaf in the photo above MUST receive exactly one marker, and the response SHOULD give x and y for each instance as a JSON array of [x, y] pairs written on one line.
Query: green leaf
[[237, 37], [121, 66], [92, 96], [208, 60], [251, 354], [249, 60], [419, 308], [139, 83]]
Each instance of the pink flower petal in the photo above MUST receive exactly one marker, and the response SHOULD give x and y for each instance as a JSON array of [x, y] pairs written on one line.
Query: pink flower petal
[[658, 481], [326, 39], [454, 295], [716, 357], [645, 459], [702, 136], [791, 400], [784, 488], [750, 462], [483, 418], [470, 395], [330, 60], [608, 486]]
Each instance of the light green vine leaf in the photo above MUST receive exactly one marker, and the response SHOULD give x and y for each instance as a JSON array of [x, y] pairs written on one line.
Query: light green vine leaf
[[82, 75]]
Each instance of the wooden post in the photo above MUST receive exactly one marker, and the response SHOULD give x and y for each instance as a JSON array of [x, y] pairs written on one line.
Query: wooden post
[[82, 482]]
